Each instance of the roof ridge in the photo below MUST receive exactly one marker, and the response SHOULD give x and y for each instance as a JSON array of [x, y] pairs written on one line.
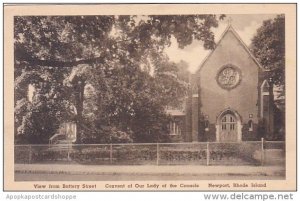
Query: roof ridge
[[229, 28]]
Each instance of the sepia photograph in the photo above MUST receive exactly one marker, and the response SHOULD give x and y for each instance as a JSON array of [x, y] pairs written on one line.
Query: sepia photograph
[[149, 100]]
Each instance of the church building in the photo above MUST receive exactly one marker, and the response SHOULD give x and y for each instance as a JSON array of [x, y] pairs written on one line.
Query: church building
[[229, 99]]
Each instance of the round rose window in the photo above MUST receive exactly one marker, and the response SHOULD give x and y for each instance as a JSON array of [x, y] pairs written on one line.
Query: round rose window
[[229, 77]]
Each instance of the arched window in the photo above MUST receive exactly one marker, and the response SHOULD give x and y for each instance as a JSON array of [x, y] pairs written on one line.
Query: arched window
[[264, 102]]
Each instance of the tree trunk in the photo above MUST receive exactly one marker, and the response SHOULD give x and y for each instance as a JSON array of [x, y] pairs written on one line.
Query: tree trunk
[[79, 98]]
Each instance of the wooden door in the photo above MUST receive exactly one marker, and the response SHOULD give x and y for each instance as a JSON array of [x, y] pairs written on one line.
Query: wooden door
[[228, 130]]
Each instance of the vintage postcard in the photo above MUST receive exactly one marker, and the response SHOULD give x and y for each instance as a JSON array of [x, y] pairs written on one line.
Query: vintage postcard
[[150, 97]]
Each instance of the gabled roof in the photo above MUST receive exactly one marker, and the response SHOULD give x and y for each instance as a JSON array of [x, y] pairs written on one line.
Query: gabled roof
[[231, 29]]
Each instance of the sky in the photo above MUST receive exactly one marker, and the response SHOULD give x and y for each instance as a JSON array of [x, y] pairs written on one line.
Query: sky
[[244, 24]]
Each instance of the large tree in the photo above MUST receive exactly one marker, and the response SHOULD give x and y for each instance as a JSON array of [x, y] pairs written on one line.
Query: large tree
[[120, 58], [268, 46]]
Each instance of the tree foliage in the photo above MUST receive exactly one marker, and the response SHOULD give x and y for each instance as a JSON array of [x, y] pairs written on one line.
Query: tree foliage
[[268, 46], [109, 74]]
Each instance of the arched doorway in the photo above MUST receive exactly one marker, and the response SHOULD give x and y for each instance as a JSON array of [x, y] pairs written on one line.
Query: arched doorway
[[229, 127]]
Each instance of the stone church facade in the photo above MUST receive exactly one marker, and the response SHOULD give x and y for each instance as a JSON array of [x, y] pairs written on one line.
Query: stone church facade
[[229, 99]]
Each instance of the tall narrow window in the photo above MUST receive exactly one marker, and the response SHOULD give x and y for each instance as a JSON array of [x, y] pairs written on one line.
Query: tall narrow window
[[264, 102]]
